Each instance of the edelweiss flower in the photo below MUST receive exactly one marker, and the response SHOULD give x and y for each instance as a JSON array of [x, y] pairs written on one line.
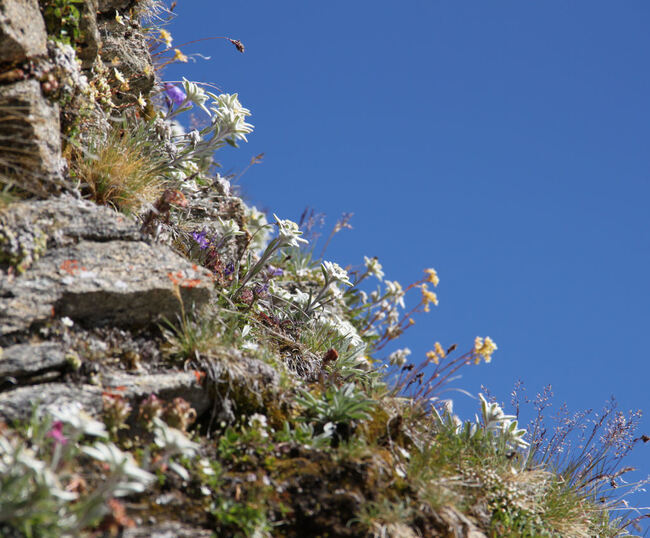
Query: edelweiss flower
[[288, 232], [172, 440], [398, 357], [122, 464], [335, 272], [374, 267]]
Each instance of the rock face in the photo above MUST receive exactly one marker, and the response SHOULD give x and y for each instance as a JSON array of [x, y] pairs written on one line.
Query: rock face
[[124, 47], [29, 131], [22, 30], [76, 259]]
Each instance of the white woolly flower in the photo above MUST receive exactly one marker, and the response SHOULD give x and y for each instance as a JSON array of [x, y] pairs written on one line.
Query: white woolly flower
[[373, 267], [123, 466], [398, 357], [173, 441], [230, 116], [80, 421], [288, 232], [229, 227], [333, 271], [196, 95], [394, 289]]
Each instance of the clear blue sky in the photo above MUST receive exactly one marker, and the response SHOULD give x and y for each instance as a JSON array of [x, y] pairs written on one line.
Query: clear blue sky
[[504, 143]]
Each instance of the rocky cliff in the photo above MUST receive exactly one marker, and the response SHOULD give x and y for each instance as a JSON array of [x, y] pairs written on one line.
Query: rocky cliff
[[174, 365]]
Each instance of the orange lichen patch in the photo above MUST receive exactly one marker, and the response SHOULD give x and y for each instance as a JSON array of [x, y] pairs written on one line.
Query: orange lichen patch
[[191, 282], [179, 279], [199, 376], [71, 267]]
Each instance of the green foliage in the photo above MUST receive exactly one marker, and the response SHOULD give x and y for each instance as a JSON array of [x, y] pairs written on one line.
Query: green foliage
[[339, 405], [62, 19]]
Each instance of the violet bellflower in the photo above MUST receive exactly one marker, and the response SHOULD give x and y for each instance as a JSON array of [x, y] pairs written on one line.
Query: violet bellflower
[[175, 94], [201, 239]]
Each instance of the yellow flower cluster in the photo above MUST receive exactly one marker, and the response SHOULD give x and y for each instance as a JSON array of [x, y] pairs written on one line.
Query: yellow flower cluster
[[436, 353], [432, 276], [166, 37], [484, 348], [428, 297], [179, 56]]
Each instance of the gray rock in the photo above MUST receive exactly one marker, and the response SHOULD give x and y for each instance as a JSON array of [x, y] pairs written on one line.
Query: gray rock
[[30, 359], [22, 30], [90, 43], [171, 529], [17, 404], [30, 145], [107, 6], [90, 264], [165, 386]]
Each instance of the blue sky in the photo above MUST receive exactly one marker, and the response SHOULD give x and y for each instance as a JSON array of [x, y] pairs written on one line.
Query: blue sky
[[503, 143]]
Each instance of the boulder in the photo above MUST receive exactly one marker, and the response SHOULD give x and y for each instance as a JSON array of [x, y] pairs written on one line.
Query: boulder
[[69, 257], [30, 148], [22, 30]]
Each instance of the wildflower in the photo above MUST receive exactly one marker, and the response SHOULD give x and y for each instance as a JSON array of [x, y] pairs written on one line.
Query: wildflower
[[150, 408], [67, 321], [141, 101], [433, 356], [428, 297], [194, 137], [373, 267], [432, 276], [177, 95], [394, 289], [258, 422], [118, 18], [123, 466], [124, 85], [172, 440], [398, 358], [274, 271], [484, 348], [229, 227], [196, 95], [335, 272], [56, 433], [202, 239], [166, 37], [289, 233], [73, 415], [439, 350], [230, 116], [179, 56]]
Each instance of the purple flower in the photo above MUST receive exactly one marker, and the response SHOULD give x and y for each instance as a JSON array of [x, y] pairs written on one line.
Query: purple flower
[[230, 269], [175, 93], [261, 289], [275, 271], [201, 239], [56, 433]]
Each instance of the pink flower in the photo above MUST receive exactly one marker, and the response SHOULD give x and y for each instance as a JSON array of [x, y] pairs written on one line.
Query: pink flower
[[56, 433]]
